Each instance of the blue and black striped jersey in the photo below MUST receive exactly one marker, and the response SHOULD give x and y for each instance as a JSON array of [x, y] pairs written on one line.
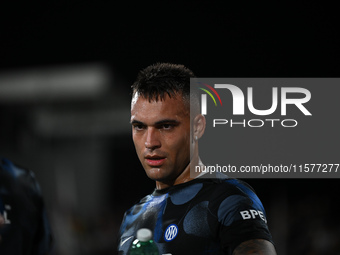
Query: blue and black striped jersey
[[202, 216]]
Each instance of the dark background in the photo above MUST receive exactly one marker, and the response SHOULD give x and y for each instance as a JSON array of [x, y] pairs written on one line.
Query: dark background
[[80, 146]]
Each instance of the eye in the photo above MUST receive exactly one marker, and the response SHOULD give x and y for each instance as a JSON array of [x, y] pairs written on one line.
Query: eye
[[167, 126], [138, 127]]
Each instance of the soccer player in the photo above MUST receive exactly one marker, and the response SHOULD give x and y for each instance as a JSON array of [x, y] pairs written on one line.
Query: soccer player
[[24, 229], [187, 215]]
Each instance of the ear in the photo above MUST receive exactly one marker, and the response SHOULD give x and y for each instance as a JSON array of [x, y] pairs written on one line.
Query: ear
[[199, 126]]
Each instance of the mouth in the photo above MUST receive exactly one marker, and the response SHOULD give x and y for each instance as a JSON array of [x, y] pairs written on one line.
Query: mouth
[[155, 160]]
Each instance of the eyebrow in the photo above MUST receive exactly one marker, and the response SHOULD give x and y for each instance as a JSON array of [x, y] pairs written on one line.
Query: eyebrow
[[165, 121], [136, 122]]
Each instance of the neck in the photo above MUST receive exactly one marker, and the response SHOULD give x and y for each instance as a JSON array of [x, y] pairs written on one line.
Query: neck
[[185, 175]]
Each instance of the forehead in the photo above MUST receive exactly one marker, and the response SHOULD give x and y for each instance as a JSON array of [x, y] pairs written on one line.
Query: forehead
[[143, 109]]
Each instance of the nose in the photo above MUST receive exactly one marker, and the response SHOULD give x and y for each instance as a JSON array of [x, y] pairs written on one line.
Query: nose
[[152, 139]]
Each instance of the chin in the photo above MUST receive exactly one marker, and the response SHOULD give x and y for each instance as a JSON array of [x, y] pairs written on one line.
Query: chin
[[156, 174]]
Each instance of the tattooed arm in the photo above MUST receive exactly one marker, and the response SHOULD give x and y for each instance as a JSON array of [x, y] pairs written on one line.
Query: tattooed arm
[[255, 246]]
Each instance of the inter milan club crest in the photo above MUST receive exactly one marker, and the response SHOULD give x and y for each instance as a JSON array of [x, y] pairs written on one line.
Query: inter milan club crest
[[170, 232]]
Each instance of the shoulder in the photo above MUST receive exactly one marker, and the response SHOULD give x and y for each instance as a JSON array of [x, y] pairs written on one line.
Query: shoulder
[[18, 175], [240, 213], [239, 187], [232, 200], [225, 187], [243, 189]]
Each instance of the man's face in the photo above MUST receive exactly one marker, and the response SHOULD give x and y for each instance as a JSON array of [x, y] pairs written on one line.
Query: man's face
[[161, 134]]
